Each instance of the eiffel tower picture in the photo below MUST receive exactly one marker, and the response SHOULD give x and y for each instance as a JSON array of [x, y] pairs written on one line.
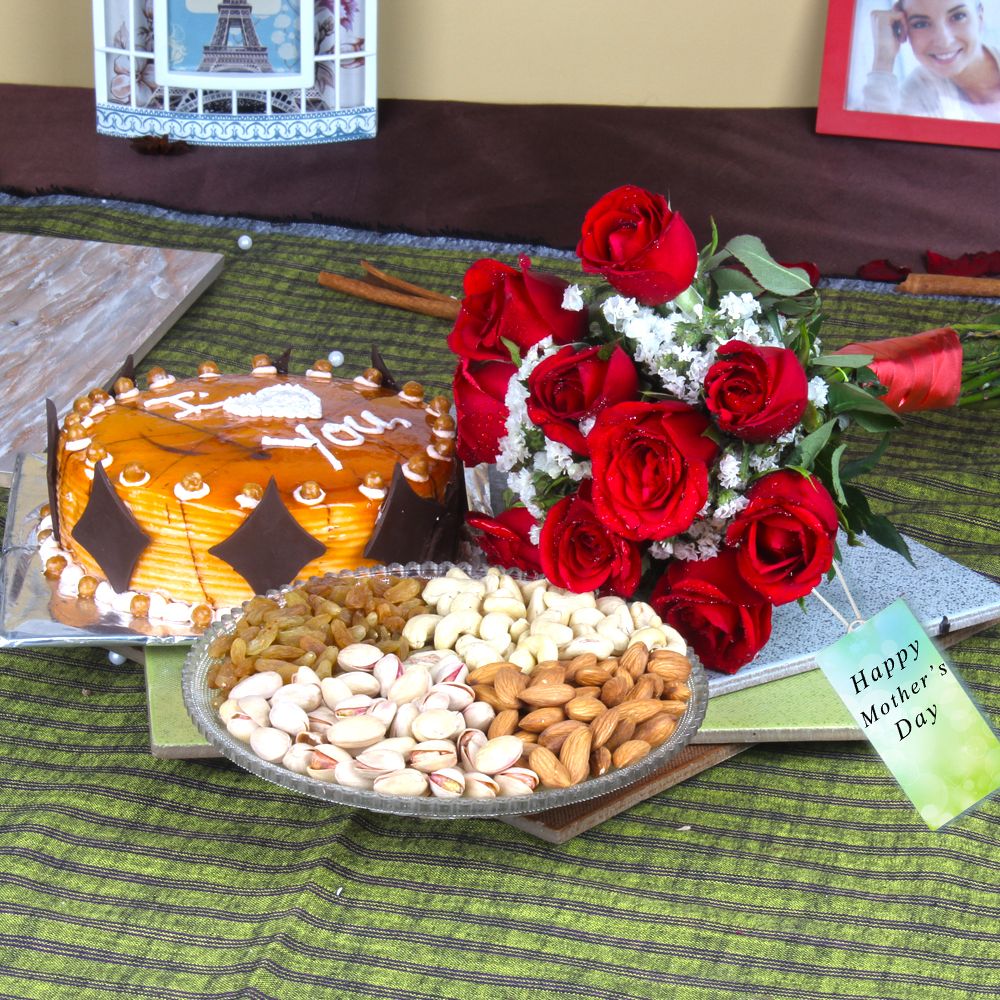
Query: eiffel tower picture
[[235, 47]]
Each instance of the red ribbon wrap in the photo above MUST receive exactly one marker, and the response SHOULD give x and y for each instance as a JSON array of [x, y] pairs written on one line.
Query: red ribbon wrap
[[921, 372]]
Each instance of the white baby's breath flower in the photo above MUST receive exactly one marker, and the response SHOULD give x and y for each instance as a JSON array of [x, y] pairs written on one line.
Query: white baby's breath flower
[[618, 310], [730, 507], [573, 298], [819, 390], [738, 307], [729, 472], [587, 425], [557, 459], [762, 462], [688, 551], [661, 550], [535, 534]]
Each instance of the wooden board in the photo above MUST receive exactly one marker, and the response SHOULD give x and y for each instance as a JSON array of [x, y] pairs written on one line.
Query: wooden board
[[70, 313]]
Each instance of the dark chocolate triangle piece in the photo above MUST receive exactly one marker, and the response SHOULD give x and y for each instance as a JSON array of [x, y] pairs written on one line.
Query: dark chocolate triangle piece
[[110, 533], [388, 379], [270, 547], [127, 370], [282, 361], [412, 528], [51, 465]]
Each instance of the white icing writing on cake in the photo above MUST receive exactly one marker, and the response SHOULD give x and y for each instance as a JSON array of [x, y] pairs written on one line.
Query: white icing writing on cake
[[292, 402], [349, 433]]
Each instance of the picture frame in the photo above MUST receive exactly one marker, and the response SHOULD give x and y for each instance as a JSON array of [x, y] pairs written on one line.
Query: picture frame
[[261, 44], [311, 78], [922, 105]]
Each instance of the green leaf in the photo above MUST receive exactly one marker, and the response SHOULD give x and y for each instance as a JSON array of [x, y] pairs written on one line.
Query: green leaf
[[875, 423], [728, 279], [709, 251], [775, 277], [860, 466], [515, 352], [838, 489], [880, 529], [811, 445], [847, 398], [843, 360]]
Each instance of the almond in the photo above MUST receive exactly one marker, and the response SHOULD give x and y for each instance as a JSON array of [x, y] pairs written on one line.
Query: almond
[[680, 692], [640, 711], [674, 708], [541, 695], [634, 659], [585, 709], [581, 662], [645, 687], [541, 718], [525, 737], [629, 753], [504, 724], [622, 734], [656, 730], [575, 754], [614, 691], [669, 665], [547, 665], [550, 770], [548, 675], [588, 691], [600, 762], [485, 675], [591, 675], [554, 736], [486, 692], [603, 726], [509, 684], [610, 664]]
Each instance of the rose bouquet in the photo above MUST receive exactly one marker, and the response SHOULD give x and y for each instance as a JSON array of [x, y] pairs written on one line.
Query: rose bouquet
[[677, 425]]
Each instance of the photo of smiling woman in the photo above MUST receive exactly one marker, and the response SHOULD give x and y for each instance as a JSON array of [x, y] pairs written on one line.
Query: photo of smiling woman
[[934, 58]]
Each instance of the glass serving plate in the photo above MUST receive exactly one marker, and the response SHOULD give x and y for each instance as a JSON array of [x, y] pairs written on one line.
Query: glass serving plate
[[201, 705]]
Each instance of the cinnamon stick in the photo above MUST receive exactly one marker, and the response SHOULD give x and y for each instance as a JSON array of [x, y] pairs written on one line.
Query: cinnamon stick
[[447, 309], [949, 284], [391, 281]]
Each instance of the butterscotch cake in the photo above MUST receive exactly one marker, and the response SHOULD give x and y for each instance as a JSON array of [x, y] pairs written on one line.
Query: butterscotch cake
[[185, 498]]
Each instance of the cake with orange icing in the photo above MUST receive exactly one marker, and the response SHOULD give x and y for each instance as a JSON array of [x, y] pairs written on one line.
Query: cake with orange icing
[[187, 497]]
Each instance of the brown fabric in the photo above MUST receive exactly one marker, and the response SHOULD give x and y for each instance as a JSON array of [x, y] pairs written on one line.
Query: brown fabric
[[528, 173]]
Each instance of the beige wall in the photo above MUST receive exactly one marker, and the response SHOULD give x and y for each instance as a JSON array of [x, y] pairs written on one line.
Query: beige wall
[[710, 53]]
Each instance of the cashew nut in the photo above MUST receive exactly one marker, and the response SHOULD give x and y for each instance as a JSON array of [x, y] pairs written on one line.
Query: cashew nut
[[419, 629], [675, 641], [528, 587], [536, 605], [480, 654], [494, 625], [447, 631], [596, 644], [560, 634], [606, 605], [504, 604], [643, 615], [523, 659], [520, 626], [608, 629], [653, 637], [587, 616], [541, 647]]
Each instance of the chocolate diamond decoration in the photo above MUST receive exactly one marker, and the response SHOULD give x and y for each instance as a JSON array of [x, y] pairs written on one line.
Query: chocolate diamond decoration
[[110, 533], [412, 528], [388, 379], [51, 460], [270, 547], [282, 361]]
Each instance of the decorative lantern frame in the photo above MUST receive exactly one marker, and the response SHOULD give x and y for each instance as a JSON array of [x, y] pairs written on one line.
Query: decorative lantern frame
[[249, 73]]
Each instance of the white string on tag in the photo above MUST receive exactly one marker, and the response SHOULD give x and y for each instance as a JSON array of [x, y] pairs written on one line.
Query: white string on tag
[[849, 626]]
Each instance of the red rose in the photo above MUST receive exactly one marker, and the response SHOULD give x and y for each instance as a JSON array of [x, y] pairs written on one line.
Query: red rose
[[784, 537], [725, 620], [479, 389], [577, 383], [650, 467], [502, 303], [642, 248], [506, 539], [756, 393], [580, 554]]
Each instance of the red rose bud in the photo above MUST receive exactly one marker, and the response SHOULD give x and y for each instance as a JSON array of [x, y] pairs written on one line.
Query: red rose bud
[[756, 393], [574, 384], [503, 303], [479, 389], [580, 554], [921, 372], [784, 537], [650, 467], [506, 540], [645, 250], [882, 270], [725, 620]]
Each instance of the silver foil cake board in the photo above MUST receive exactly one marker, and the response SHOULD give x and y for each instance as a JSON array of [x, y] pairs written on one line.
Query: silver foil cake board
[[71, 312]]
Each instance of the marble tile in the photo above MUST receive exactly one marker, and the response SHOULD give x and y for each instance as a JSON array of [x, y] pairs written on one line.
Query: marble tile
[[70, 312]]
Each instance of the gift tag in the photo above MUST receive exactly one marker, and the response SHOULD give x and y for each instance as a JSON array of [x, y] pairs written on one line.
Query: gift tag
[[912, 706]]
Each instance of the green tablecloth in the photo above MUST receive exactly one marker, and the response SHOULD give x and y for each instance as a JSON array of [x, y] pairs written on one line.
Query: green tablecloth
[[794, 871]]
